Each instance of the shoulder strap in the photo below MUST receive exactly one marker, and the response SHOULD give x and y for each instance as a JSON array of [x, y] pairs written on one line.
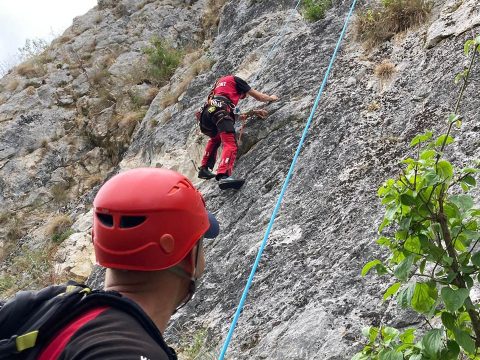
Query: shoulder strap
[[116, 300], [210, 95], [42, 314]]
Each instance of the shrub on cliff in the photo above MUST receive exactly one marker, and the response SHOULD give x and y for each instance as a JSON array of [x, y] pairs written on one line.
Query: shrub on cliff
[[314, 10], [163, 59], [431, 229], [375, 24]]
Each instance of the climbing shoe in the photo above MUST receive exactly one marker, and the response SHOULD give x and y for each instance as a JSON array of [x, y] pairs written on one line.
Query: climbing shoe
[[204, 173], [230, 183]]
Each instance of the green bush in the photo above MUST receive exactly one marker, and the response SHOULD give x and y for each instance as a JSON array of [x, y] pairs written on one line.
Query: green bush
[[375, 24], [431, 230], [314, 10], [163, 59], [61, 237]]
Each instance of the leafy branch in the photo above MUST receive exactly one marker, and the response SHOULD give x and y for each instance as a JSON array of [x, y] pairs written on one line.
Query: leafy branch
[[433, 255]]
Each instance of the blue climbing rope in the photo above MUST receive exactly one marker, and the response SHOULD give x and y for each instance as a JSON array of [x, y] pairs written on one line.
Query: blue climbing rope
[[284, 187]]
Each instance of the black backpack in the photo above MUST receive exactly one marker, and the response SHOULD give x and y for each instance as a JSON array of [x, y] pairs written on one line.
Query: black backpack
[[30, 320]]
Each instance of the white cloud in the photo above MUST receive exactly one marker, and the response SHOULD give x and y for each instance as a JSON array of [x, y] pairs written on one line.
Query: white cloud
[[35, 19]]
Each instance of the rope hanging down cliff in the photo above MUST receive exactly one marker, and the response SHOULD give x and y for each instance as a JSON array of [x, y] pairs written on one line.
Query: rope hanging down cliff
[[285, 185]]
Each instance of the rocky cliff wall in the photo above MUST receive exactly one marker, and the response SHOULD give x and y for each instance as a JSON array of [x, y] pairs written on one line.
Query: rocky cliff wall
[[308, 300]]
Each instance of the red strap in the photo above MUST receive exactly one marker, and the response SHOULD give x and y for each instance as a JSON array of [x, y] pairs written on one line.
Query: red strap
[[57, 345]]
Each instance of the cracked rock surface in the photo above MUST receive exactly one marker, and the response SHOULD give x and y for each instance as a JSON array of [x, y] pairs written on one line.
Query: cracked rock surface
[[308, 300]]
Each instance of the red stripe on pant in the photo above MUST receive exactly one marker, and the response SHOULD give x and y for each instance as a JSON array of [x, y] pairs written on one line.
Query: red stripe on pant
[[229, 153]]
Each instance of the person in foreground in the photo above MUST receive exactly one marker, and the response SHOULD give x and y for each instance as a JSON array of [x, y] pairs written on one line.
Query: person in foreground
[[217, 121], [148, 228]]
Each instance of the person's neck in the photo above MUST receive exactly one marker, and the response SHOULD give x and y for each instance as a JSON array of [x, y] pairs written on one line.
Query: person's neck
[[157, 293]]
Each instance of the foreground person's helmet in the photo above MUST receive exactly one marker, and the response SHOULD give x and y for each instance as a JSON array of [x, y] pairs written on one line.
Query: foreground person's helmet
[[148, 219]]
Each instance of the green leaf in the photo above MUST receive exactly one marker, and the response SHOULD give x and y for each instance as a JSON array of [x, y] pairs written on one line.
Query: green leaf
[[428, 154], [383, 241], [384, 223], [464, 202], [431, 178], [405, 223], [421, 268], [421, 138], [451, 276], [413, 244], [469, 180], [381, 269], [444, 138], [448, 320], [391, 211], [451, 210], [408, 336], [453, 118], [403, 269], [368, 266], [471, 234], [451, 352], [444, 169], [468, 269], [470, 170], [464, 340], [447, 260], [392, 290], [389, 333], [408, 200], [424, 297], [432, 343], [416, 357], [468, 44], [459, 76], [366, 331], [361, 356], [454, 299], [404, 297], [468, 281], [476, 259], [390, 355], [371, 333]]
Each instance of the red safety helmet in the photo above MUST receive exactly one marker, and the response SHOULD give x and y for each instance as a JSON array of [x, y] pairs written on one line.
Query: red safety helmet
[[148, 219]]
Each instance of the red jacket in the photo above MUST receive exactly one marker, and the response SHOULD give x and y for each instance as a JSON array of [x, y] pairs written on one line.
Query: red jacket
[[231, 87]]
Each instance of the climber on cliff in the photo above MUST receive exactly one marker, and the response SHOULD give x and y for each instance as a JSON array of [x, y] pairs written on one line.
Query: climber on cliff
[[148, 227], [217, 120]]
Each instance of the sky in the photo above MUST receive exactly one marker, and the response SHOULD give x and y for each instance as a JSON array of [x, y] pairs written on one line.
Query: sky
[[35, 19]]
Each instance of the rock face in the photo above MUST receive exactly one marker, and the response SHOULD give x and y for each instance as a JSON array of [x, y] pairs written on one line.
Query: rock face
[[308, 300]]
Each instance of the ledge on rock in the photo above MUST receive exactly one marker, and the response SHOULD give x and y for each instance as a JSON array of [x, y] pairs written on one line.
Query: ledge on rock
[[455, 18]]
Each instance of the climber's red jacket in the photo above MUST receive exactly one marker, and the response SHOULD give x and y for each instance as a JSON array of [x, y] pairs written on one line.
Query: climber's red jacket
[[232, 87]]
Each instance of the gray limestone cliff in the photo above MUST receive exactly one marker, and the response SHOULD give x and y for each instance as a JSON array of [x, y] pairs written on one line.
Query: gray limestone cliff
[[84, 111]]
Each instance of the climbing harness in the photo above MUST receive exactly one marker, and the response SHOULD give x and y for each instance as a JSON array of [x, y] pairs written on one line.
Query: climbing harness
[[285, 185]]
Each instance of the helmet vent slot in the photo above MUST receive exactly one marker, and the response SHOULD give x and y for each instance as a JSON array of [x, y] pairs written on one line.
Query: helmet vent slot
[[131, 221], [105, 219], [184, 184]]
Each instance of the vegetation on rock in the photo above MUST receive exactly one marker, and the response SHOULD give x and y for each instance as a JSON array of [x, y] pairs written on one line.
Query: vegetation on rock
[[377, 23], [431, 228], [163, 60], [314, 10]]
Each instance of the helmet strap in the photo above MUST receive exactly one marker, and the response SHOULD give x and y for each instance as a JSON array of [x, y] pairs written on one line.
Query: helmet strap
[[184, 274]]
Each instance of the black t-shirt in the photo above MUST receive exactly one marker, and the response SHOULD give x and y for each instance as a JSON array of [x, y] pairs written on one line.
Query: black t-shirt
[[115, 335], [241, 85]]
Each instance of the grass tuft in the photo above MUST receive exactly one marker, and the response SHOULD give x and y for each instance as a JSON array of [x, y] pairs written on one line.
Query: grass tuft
[[314, 10], [379, 23]]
